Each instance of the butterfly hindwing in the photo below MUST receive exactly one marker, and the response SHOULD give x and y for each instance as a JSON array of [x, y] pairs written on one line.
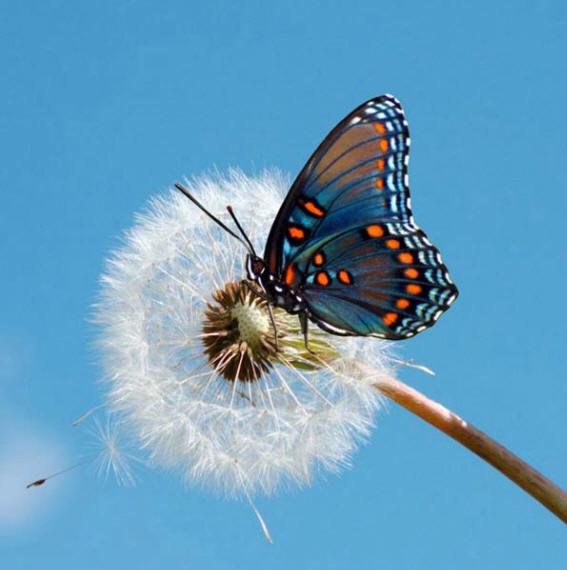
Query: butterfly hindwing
[[385, 280], [345, 234]]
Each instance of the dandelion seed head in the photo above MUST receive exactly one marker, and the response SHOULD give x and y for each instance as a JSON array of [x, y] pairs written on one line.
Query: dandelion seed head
[[238, 335], [189, 351]]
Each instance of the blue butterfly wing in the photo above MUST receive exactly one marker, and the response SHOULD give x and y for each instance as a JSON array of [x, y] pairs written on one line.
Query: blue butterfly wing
[[345, 234], [389, 282]]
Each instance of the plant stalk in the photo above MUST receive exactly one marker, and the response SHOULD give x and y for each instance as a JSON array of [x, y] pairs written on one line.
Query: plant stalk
[[525, 476]]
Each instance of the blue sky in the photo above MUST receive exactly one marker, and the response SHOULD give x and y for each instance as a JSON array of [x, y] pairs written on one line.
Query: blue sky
[[106, 103]]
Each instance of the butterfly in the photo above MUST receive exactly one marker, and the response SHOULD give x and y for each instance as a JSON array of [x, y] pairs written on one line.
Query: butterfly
[[344, 250]]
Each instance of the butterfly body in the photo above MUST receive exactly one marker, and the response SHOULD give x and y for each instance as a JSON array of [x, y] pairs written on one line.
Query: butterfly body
[[274, 289], [279, 294]]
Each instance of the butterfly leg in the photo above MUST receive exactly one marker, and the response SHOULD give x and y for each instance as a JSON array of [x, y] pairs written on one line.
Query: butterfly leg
[[304, 322], [271, 313]]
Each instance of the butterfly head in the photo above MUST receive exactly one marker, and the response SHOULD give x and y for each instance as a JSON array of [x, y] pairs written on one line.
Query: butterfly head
[[255, 267]]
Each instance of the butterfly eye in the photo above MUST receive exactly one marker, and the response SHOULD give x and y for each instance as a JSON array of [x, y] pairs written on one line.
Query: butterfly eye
[[257, 266]]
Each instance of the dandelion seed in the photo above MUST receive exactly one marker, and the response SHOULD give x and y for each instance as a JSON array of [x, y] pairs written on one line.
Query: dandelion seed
[[109, 452], [106, 450], [190, 353], [43, 480]]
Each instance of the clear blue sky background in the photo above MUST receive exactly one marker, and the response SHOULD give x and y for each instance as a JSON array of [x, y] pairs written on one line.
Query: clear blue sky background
[[105, 103]]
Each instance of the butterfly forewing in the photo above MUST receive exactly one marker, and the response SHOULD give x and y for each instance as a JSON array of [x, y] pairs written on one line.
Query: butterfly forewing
[[356, 175], [345, 234]]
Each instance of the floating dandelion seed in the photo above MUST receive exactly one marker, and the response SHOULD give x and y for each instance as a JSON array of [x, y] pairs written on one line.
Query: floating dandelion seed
[[190, 353], [106, 450], [109, 452]]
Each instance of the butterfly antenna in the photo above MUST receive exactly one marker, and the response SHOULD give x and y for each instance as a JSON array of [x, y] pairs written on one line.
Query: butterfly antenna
[[186, 192], [233, 216]]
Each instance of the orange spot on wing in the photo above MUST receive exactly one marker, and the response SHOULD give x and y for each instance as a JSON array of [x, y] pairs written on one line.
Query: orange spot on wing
[[312, 208], [296, 233], [379, 183], [381, 164], [413, 289], [405, 257], [393, 244], [345, 277], [322, 278], [318, 259], [375, 231], [402, 303], [384, 145], [380, 128], [390, 318], [411, 273], [289, 275]]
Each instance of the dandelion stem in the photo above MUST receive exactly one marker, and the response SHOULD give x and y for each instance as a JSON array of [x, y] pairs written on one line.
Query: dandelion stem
[[529, 479]]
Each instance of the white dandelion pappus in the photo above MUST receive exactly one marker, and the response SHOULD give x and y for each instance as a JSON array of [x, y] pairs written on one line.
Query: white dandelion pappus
[[109, 452], [250, 435]]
